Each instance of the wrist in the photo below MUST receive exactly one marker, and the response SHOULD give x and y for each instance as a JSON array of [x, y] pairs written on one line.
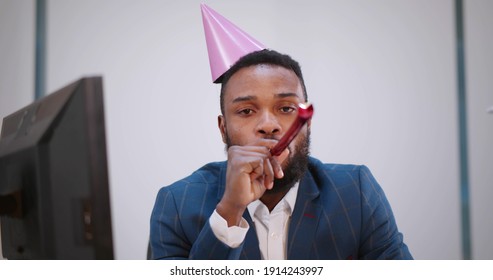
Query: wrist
[[232, 213]]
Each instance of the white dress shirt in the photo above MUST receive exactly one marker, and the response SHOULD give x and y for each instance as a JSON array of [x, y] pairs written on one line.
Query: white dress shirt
[[271, 228]]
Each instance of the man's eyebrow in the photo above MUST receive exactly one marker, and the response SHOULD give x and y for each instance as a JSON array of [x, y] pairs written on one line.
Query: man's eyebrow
[[286, 95], [244, 98], [251, 97]]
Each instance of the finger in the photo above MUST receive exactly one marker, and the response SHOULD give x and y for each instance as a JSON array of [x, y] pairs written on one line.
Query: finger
[[255, 167], [249, 150], [283, 156], [269, 174], [277, 168], [269, 143], [276, 163], [262, 145]]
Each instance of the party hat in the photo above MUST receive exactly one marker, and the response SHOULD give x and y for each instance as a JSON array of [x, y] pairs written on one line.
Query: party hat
[[226, 43]]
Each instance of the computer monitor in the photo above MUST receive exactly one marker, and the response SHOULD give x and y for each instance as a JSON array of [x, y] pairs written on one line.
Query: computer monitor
[[54, 191]]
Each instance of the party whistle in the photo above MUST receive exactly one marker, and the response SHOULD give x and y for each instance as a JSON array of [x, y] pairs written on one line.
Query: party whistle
[[305, 113]]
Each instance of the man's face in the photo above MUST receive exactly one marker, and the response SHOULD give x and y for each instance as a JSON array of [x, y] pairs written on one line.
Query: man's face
[[260, 102]]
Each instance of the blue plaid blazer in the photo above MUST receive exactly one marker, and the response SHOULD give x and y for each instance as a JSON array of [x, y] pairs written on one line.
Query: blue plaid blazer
[[340, 213]]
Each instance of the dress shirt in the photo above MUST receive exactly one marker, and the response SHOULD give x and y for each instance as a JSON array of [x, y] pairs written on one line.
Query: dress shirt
[[271, 228]]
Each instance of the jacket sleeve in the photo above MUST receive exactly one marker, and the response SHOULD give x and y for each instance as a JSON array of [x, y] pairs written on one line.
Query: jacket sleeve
[[380, 238], [171, 230]]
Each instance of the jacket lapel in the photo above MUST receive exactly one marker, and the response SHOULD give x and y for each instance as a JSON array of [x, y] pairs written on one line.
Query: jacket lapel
[[304, 221], [251, 250]]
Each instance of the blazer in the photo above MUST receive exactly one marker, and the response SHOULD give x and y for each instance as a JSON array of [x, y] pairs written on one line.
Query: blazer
[[341, 212]]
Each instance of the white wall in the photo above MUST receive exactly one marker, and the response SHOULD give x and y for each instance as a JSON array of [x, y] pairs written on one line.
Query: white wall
[[16, 54], [381, 75]]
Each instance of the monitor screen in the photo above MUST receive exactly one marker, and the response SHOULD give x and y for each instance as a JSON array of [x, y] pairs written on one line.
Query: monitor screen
[[54, 190]]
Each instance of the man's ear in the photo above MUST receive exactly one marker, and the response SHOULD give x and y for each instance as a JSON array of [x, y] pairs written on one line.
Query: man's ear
[[221, 123]]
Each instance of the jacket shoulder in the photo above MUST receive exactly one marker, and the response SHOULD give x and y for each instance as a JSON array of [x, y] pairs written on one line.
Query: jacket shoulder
[[333, 170], [209, 174]]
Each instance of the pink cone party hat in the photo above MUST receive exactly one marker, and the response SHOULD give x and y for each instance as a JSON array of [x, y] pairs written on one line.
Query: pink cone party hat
[[226, 43]]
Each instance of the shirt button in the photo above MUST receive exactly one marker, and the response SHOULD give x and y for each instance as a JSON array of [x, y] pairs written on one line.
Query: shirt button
[[274, 235]]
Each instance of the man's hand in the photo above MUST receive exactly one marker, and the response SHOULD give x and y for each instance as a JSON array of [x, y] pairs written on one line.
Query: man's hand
[[251, 171]]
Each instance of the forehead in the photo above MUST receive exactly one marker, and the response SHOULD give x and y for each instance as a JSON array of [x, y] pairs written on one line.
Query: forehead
[[262, 80]]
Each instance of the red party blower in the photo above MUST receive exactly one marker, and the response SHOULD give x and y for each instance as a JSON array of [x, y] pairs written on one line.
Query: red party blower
[[305, 113]]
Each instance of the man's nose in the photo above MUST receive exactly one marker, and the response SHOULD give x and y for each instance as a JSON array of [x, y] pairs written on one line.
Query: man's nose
[[268, 124]]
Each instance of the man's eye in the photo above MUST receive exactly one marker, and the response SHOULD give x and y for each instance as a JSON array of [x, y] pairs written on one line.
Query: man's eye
[[287, 109], [245, 112]]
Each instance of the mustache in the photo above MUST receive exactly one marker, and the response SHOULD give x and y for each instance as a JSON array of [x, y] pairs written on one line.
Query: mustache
[[230, 143], [272, 137]]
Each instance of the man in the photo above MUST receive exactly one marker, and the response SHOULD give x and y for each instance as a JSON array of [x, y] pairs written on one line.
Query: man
[[255, 206]]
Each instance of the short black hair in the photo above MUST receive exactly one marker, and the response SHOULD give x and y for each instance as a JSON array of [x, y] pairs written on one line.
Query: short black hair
[[262, 57]]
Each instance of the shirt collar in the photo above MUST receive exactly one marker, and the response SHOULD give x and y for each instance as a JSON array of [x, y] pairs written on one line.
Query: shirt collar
[[289, 200]]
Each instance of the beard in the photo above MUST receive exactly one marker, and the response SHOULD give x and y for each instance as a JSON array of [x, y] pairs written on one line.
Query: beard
[[295, 165]]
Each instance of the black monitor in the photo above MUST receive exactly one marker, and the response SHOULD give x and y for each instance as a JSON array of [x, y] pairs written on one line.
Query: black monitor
[[54, 191]]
